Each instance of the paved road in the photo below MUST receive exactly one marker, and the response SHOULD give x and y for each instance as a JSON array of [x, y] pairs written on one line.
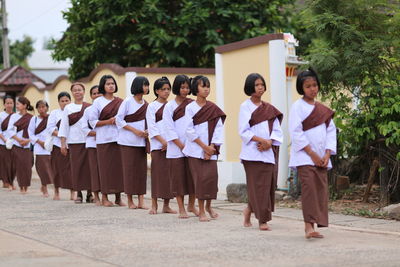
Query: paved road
[[41, 232]]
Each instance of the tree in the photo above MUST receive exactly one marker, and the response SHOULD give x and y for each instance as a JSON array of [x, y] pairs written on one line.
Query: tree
[[356, 52], [20, 50], [179, 33]]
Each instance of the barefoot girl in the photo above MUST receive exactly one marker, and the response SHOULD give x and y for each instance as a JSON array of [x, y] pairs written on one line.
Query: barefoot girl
[[260, 130], [313, 136], [60, 164], [22, 156], [7, 172], [204, 137], [132, 139], [160, 179], [73, 138], [102, 119], [38, 134], [175, 124]]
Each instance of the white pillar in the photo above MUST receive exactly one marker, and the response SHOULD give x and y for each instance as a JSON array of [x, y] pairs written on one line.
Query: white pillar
[[129, 76], [279, 98], [220, 95], [46, 97]]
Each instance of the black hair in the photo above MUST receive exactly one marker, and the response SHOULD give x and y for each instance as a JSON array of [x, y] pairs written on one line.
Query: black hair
[[103, 81], [25, 101], [159, 83], [92, 88], [304, 75], [137, 85], [250, 83], [62, 94], [196, 81], [179, 80], [44, 102], [7, 97]]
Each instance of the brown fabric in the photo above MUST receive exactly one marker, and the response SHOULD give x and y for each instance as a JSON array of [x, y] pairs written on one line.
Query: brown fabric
[[4, 124], [76, 116], [260, 188], [205, 177], [110, 168], [320, 114], [55, 156], [160, 112], [265, 112], [179, 112], [23, 158], [211, 113], [94, 170], [140, 115], [80, 169], [42, 125], [23, 123], [160, 175], [58, 124], [43, 168], [180, 177], [111, 109], [61, 166], [7, 168], [314, 194], [134, 169]]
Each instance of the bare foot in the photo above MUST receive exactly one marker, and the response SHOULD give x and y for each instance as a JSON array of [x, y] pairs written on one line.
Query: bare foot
[[247, 216], [120, 203], [183, 215], [56, 197], [264, 227], [212, 213], [153, 211], [46, 194], [193, 210], [97, 202], [316, 235], [142, 207], [167, 209], [107, 203], [72, 196], [132, 206], [203, 218]]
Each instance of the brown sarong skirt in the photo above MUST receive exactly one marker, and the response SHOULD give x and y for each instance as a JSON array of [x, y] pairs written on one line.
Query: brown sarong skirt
[[260, 183], [180, 177], [160, 175], [205, 177], [61, 169], [80, 168], [110, 168], [314, 194], [134, 166], [43, 168], [7, 168], [94, 169], [23, 159]]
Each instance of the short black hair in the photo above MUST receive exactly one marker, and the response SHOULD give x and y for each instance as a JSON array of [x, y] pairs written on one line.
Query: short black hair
[[92, 88], [8, 97], [250, 83], [304, 75], [62, 94], [44, 102], [199, 79], [103, 81], [159, 83], [137, 85], [179, 80]]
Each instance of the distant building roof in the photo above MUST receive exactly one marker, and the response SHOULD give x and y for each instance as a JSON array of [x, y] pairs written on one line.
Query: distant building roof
[[14, 79], [42, 60]]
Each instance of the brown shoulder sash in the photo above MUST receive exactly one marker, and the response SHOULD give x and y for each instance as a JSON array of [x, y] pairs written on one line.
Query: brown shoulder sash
[[4, 124], [111, 109], [160, 112], [42, 125], [76, 116], [320, 114], [23, 123], [265, 112], [179, 112], [139, 115]]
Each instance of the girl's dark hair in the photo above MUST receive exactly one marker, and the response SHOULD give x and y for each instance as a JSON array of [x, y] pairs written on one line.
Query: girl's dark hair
[[7, 97], [137, 85], [103, 81], [62, 94], [196, 81], [159, 83], [304, 75], [92, 88], [179, 80], [250, 83], [77, 83], [40, 102], [25, 101]]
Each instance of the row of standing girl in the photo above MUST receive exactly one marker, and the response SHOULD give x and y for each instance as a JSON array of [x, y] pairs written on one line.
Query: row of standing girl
[[102, 147]]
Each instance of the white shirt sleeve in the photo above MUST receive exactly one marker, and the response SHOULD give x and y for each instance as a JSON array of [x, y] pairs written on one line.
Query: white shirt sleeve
[[218, 136], [299, 139], [31, 130], [94, 114], [276, 134], [190, 131], [64, 125], [120, 118], [331, 138], [151, 121], [244, 127], [169, 125], [11, 130], [84, 126]]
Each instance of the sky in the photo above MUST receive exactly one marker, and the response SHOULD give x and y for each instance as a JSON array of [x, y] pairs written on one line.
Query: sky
[[39, 19]]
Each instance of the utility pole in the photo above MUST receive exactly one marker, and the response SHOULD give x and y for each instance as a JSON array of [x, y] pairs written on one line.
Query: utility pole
[[6, 48]]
